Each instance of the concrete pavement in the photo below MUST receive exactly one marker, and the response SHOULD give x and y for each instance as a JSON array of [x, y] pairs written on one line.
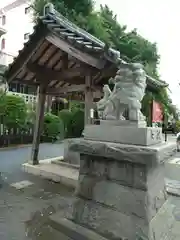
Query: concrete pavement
[[25, 209], [12, 160]]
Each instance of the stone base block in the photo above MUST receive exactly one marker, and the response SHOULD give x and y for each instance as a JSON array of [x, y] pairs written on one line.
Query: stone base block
[[116, 225], [121, 191], [127, 200], [94, 222], [70, 156], [147, 155], [143, 136], [73, 230]]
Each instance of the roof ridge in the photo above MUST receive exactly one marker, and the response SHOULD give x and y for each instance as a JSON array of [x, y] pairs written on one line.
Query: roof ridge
[[49, 10]]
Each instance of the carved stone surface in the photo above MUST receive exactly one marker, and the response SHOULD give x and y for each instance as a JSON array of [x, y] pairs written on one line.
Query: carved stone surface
[[149, 155], [124, 134], [128, 92]]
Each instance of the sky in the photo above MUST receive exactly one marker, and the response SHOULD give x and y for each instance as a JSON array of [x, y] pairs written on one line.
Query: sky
[[158, 21]]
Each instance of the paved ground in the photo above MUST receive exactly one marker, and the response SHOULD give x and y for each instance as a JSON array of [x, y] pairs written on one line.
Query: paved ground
[[11, 160], [24, 212]]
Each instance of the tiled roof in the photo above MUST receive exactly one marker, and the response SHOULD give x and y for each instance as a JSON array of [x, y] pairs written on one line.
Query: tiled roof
[[68, 31], [79, 39]]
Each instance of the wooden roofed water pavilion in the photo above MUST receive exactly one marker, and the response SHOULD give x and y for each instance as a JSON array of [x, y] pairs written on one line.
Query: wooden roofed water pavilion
[[60, 58]]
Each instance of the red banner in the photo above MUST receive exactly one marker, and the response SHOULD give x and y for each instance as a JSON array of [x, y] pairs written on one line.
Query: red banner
[[157, 112]]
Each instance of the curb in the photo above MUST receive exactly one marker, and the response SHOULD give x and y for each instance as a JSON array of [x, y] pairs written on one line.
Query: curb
[[14, 147], [65, 164], [58, 177]]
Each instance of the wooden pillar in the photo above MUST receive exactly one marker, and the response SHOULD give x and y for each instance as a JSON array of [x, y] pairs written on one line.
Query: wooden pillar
[[38, 124], [88, 100], [49, 103]]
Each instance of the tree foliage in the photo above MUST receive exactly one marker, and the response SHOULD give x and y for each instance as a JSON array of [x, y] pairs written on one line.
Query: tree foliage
[[66, 116], [73, 119], [77, 122], [104, 25], [53, 126], [13, 111]]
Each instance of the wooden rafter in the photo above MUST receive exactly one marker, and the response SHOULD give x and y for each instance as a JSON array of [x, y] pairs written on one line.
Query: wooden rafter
[[50, 74], [64, 60], [84, 57]]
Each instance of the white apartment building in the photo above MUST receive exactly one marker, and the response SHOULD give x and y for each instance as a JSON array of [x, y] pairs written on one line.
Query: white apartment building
[[16, 24]]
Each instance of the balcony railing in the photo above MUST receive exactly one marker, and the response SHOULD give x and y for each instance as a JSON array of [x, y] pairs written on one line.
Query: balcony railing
[[5, 58], [28, 98]]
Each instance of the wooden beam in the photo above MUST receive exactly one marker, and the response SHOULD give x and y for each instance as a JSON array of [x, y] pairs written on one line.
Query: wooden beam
[[71, 50], [47, 73], [38, 124], [49, 103], [88, 99], [72, 88], [26, 82]]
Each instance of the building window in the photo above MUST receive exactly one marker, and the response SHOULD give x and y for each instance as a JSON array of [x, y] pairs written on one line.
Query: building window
[[3, 20], [27, 10], [26, 36], [3, 44]]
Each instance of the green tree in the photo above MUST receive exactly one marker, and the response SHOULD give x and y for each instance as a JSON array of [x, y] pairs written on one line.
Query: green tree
[[66, 116], [70, 9], [133, 47], [53, 126], [77, 122], [13, 111]]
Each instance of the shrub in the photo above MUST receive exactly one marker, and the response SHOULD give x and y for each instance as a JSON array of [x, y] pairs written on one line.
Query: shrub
[[77, 123], [13, 111], [53, 126], [74, 105], [66, 116]]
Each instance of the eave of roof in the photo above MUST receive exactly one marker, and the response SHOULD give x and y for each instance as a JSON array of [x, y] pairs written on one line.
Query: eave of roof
[[67, 31], [75, 32]]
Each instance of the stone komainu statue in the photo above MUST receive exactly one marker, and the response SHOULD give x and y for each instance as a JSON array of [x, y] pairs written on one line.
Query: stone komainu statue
[[128, 92]]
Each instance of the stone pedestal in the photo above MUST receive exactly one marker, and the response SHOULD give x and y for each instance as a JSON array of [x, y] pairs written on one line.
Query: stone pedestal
[[121, 192], [121, 189]]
